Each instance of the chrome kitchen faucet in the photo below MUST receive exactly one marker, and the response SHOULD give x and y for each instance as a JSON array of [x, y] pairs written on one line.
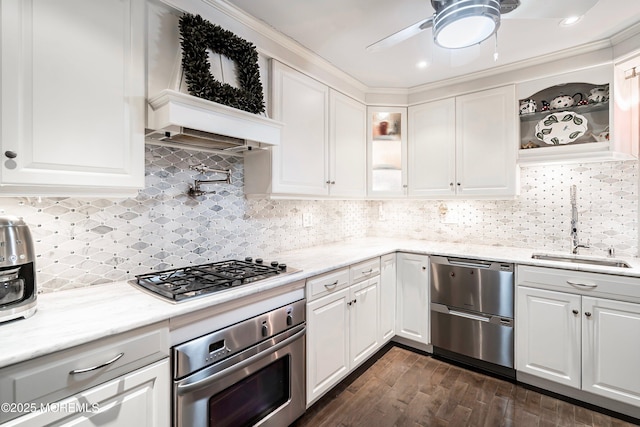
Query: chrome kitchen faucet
[[575, 242]]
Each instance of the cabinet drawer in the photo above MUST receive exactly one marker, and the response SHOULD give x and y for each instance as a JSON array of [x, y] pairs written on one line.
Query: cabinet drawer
[[364, 270], [49, 378], [580, 282], [327, 283]]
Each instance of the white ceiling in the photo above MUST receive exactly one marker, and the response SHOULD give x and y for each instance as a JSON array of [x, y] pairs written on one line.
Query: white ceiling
[[340, 30]]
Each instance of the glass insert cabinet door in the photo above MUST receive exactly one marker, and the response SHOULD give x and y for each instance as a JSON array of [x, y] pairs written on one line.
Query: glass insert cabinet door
[[387, 151]]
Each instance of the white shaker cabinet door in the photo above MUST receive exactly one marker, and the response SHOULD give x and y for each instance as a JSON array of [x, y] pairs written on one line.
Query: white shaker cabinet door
[[347, 147], [548, 335], [73, 97], [611, 349], [486, 143], [387, 297], [327, 342], [432, 149], [363, 312], [412, 320], [300, 161]]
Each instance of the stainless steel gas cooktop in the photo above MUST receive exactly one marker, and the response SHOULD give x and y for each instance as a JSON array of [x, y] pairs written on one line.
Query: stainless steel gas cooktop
[[189, 282]]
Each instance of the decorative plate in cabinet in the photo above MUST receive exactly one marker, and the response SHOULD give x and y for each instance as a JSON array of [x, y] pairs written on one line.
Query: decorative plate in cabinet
[[564, 119]]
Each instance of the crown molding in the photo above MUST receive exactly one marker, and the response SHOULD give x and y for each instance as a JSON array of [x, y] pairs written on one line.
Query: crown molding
[[282, 40], [514, 66], [625, 34]]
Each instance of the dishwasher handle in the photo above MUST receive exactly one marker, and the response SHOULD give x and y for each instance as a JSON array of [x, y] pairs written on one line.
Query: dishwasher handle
[[488, 318], [473, 263]]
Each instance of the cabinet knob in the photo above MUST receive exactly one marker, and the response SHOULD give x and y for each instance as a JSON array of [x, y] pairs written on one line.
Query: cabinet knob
[[575, 311], [451, 184], [333, 182], [458, 184], [424, 268], [404, 186], [587, 314], [11, 154], [328, 182]]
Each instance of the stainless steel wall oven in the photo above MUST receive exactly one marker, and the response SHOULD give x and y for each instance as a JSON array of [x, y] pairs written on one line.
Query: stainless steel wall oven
[[472, 314], [250, 373]]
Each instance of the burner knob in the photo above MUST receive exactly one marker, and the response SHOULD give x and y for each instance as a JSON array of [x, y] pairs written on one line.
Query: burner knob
[[282, 266], [249, 259], [274, 263], [258, 260]]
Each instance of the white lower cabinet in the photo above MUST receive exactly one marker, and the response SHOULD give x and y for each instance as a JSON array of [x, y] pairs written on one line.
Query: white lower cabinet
[[363, 316], [548, 335], [120, 380], [589, 343], [343, 312], [387, 297], [141, 398], [412, 318], [327, 343], [611, 349]]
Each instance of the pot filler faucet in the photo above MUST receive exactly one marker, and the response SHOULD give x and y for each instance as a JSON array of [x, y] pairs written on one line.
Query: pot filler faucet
[[575, 242]]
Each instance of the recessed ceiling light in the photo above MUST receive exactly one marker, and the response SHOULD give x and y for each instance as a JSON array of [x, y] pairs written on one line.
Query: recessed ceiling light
[[422, 64], [570, 21]]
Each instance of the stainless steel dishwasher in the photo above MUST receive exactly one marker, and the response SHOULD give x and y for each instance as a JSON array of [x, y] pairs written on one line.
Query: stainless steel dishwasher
[[472, 313]]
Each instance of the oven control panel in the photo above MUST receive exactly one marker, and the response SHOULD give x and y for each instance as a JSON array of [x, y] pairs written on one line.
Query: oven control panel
[[219, 345]]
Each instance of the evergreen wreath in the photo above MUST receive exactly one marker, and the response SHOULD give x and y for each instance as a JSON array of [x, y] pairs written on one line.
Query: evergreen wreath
[[198, 35]]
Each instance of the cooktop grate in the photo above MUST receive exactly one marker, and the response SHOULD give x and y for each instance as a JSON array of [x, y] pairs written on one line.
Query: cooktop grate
[[188, 282]]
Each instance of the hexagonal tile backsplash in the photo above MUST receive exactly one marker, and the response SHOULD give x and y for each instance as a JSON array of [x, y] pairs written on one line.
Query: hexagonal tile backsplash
[[81, 241]]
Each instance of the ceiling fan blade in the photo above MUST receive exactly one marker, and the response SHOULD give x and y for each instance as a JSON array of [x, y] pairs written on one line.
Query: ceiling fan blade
[[400, 36], [550, 9]]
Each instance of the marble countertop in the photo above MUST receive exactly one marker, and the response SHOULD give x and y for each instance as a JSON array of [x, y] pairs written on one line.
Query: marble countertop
[[73, 317]]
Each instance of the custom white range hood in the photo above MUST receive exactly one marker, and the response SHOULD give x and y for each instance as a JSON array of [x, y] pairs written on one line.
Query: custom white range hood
[[176, 118]]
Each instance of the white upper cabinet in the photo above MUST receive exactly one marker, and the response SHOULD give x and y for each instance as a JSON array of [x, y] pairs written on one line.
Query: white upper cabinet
[[322, 151], [302, 104], [626, 106], [464, 146], [485, 153], [387, 152], [432, 149], [73, 97], [580, 116], [347, 147]]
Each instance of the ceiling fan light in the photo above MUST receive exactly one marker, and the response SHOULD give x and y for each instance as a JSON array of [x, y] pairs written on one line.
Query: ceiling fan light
[[464, 23]]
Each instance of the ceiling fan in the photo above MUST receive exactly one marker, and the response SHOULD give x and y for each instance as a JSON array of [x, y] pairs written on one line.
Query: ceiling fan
[[463, 23]]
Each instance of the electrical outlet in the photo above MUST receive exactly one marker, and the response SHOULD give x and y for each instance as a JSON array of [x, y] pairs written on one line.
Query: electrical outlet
[[307, 219], [381, 213]]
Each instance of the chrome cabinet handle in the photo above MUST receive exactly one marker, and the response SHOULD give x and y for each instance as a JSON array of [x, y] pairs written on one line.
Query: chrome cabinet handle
[[95, 368], [364, 273], [331, 285], [11, 154], [582, 285]]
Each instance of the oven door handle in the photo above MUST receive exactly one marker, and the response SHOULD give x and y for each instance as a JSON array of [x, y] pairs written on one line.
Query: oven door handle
[[187, 388]]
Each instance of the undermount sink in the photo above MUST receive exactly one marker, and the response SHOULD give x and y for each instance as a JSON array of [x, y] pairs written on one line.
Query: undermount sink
[[582, 260]]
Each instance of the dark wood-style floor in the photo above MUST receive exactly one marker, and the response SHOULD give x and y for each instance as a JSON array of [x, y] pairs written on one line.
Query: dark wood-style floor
[[404, 388]]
